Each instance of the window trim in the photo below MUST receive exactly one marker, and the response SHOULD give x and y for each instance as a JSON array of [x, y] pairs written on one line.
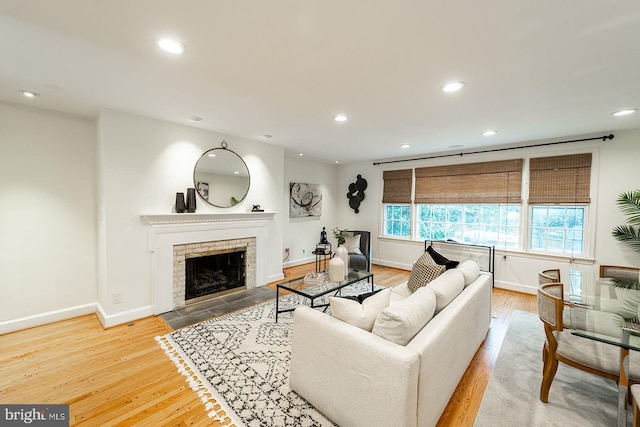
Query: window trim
[[383, 222], [586, 252]]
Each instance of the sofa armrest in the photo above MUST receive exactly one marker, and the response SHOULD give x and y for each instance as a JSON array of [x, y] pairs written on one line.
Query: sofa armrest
[[353, 377]]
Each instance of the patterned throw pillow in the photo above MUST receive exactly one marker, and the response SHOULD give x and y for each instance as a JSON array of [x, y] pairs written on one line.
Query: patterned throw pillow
[[424, 270]]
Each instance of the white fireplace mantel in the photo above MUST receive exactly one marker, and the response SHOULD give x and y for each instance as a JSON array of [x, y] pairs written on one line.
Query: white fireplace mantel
[[183, 218], [167, 230]]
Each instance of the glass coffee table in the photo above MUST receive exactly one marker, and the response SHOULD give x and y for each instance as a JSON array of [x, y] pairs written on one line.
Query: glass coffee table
[[313, 291]]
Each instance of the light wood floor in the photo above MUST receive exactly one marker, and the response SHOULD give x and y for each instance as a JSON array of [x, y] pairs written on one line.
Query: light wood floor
[[121, 377]]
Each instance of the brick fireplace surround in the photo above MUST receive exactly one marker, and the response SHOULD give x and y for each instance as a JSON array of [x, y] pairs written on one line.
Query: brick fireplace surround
[[171, 234], [180, 252]]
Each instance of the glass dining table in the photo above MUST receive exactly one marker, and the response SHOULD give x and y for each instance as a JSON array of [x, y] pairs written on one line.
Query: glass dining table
[[605, 310]]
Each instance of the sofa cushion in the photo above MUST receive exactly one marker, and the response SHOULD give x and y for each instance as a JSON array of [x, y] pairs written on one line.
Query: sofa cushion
[[441, 260], [353, 244], [361, 315], [470, 270], [447, 286], [402, 320], [424, 270]]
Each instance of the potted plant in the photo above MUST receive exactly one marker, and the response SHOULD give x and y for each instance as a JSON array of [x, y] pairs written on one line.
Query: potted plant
[[629, 234], [340, 235], [341, 251]]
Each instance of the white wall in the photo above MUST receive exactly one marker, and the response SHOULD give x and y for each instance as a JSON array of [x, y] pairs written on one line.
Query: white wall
[[144, 163], [302, 234], [52, 163], [616, 171], [47, 221]]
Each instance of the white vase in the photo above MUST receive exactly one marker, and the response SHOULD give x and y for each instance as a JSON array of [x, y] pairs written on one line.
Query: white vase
[[336, 269], [342, 252]]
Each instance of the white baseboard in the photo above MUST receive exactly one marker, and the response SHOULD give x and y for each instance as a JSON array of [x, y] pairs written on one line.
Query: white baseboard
[[298, 262], [110, 320], [517, 287], [392, 264], [274, 278], [46, 318]]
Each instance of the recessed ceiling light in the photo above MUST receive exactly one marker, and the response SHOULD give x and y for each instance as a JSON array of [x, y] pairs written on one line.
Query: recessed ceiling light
[[300, 154], [30, 94], [456, 146], [211, 155], [452, 87], [337, 161], [489, 132], [340, 118], [625, 112], [172, 46], [405, 146], [236, 173], [267, 136], [196, 118]]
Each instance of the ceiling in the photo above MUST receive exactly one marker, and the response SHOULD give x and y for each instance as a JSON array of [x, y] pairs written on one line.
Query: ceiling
[[533, 70]]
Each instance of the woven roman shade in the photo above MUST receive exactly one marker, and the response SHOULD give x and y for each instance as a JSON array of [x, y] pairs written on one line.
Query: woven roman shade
[[397, 186], [487, 182], [560, 179]]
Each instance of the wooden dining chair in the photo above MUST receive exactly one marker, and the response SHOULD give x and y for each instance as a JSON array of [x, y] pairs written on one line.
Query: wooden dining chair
[[549, 276], [561, 346], [620, 273]]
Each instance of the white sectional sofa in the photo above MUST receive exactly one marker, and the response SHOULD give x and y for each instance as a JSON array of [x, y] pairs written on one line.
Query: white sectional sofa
[[357, 378]]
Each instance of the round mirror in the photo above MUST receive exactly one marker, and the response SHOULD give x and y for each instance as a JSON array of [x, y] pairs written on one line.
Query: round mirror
[[221, 177]]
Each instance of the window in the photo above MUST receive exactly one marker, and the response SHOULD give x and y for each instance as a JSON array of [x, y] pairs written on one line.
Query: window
[[397, 220], [559, 194], [480, 224], [483, 203], [558, 229]]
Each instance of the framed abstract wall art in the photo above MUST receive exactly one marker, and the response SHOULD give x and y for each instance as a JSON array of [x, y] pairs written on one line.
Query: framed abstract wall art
[[304, 200]]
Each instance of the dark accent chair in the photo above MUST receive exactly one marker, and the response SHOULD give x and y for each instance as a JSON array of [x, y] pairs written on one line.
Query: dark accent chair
[[362, 261]]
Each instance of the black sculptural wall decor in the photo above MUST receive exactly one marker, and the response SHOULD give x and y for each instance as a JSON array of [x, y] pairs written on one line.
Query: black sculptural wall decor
[[356, 193]]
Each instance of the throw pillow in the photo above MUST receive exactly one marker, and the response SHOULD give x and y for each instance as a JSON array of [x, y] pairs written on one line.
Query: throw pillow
[[470, 270], [361, 315], [361, 297], [353, 244], [441, 260], [446, 287], [401, 321], [423, 271]]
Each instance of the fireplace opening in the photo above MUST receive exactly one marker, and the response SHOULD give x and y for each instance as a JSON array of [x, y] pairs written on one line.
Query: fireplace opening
[[209, 273]]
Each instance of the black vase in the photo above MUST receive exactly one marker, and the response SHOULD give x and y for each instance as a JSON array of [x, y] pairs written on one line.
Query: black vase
[[180, 207], [191, 200]]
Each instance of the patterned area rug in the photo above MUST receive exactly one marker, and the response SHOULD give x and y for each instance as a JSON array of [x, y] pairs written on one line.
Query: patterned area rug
[[239, 365]]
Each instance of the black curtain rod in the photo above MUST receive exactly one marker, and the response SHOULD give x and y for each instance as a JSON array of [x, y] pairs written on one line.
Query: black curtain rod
[[604, 138]]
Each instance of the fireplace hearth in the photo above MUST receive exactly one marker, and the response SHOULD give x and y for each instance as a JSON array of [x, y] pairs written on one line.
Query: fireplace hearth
[[214, 273]]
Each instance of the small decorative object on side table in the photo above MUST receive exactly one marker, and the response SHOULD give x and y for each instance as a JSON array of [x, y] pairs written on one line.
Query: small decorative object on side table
[[323, 236], [323, 255]]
